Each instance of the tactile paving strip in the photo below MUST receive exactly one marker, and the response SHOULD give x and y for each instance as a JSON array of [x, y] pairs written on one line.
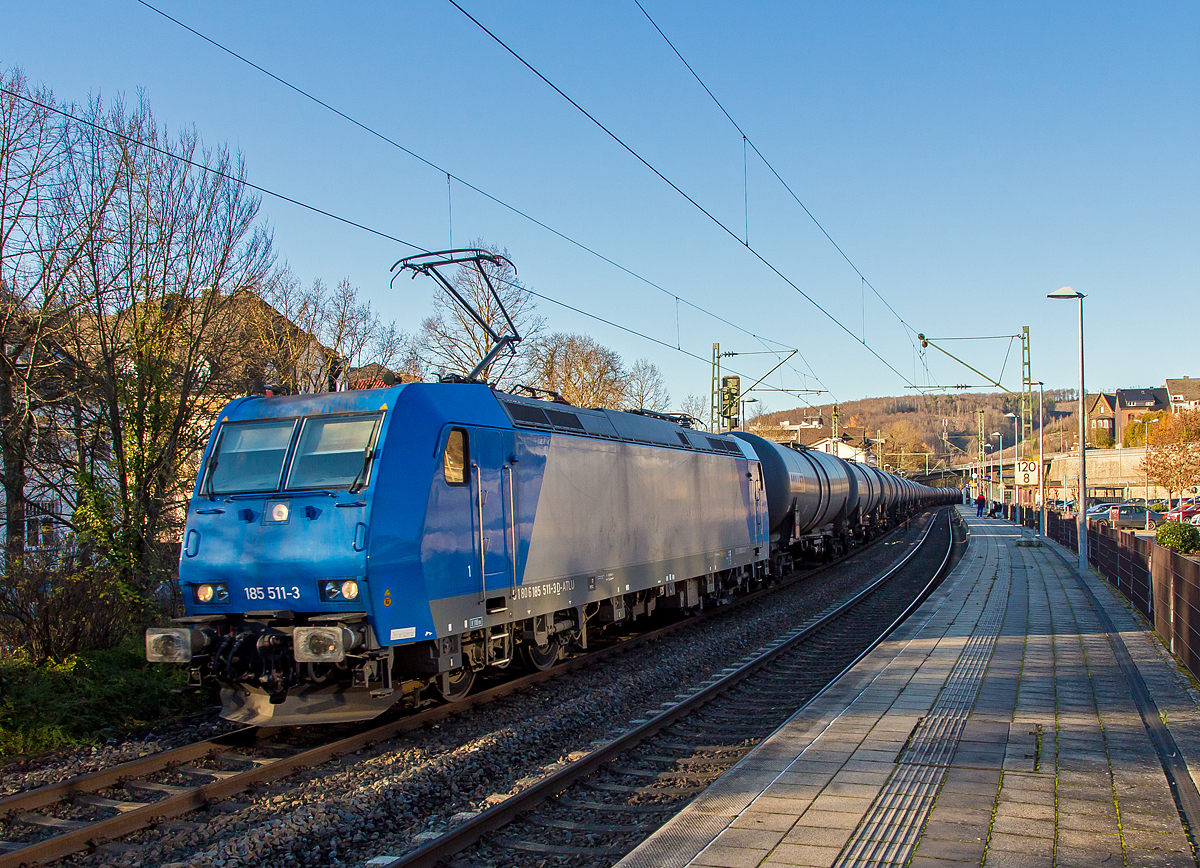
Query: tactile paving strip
[[888, 833]]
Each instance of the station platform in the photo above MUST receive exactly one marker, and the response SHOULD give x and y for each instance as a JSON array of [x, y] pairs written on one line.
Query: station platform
[[1022, 716]]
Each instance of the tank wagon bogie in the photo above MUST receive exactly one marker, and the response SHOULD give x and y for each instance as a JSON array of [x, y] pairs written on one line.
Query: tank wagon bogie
[[349, 551]]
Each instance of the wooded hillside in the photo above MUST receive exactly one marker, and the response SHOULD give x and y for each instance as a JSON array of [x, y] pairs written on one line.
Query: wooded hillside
[[914, 423]]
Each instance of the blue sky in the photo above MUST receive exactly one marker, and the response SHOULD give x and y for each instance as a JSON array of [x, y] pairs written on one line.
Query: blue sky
[[968, 160]]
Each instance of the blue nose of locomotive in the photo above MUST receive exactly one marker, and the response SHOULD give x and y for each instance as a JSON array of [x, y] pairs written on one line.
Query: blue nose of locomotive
[[280, 517]]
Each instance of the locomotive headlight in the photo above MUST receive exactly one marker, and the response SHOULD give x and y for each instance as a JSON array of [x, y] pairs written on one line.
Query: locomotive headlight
[[212, 592], [280, 512], [169, 645], [318, 644], [338, 590]]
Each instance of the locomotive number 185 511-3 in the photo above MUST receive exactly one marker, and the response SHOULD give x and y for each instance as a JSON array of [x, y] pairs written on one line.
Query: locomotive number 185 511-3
[[276, 593]]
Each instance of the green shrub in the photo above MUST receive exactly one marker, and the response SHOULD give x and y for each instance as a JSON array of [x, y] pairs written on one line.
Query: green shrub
[[52, 608], [87, 698], [1181, 537]]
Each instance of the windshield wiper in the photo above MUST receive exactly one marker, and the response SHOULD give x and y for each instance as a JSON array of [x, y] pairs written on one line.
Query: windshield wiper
[[360, 480], [206, 484]]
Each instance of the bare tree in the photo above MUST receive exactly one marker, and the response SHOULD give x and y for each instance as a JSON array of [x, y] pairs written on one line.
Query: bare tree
[[396, 350], [154, 336], [644, 387], [585, 373], [308, 339], [451, 342], [755, 413], [696, 406], [32, 148]]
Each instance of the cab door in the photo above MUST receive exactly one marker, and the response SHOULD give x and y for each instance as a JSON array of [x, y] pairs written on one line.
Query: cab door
[[492, 492], [759, 522]]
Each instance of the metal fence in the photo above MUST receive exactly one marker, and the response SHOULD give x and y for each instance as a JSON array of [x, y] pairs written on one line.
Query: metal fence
[[1162, 585]]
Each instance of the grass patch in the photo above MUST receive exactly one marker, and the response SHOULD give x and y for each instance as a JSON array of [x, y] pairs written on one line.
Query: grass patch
[[86, 699]]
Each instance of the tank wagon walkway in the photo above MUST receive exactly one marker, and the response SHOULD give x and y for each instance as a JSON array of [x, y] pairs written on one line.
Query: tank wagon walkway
[[999, 726]]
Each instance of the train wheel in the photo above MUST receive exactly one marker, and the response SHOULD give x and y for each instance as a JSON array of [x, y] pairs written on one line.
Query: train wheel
[[540, 658], [455, 685]]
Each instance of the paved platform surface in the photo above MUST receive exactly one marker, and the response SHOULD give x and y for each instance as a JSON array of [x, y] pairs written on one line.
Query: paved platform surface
[[995, 727]]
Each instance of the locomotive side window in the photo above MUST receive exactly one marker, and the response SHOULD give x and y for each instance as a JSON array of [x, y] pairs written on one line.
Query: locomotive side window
[[334, 452], [249, 456], [454, 460]]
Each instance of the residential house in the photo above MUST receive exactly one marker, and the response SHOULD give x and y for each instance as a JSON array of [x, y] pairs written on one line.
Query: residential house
[[1183, 394], [847, 447], [1132, 404], [1101, 412], [373, 376]]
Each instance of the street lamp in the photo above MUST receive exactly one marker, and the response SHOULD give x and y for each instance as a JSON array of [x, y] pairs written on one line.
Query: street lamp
[[1000, 465], [1145, 446], [983, 471], [870, 450], [1041, 459], [1081, 516], [1016, 457], [746, 401]]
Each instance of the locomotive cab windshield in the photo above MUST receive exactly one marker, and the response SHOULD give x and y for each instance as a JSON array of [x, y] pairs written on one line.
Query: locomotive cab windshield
[[249, 456], [332, 452]]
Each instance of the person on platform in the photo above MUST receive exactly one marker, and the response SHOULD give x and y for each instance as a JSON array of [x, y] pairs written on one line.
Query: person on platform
[[980, 503]]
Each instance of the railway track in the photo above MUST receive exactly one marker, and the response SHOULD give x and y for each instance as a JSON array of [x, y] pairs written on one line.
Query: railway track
[[603, 804], [83, 813]]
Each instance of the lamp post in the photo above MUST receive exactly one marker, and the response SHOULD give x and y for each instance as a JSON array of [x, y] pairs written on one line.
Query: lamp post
[[1041, 461], [746, 401], [1081, 513], [1016, 457], [870, 450], [1000, 466], [1146, 445], [983, 471]]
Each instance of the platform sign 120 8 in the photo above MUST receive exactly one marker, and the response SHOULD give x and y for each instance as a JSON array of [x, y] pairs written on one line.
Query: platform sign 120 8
[[1027, 472]]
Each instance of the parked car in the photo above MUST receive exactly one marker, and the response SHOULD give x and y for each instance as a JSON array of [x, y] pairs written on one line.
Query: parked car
[[1183, 512], [1128, 516]]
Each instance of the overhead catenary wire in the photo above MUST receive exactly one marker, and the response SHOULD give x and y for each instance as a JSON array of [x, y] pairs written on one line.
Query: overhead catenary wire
[[220, 174], [771, 266], [450, 175], [268, 192], [688, 353], [747, 140]]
